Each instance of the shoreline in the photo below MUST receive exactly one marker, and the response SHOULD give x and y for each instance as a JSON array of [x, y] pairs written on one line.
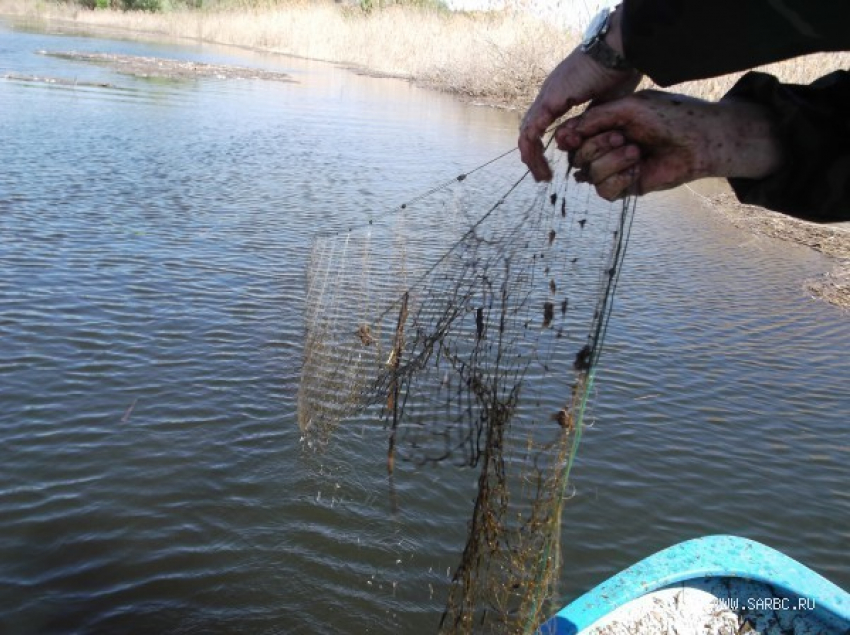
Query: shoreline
[[832, 239], [512, 94], [495, 58]]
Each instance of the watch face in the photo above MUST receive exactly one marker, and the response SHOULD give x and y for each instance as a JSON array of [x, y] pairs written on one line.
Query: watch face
[[596, 25]]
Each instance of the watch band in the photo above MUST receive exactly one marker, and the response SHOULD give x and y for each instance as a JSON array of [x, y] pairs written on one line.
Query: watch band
[[605, 55]]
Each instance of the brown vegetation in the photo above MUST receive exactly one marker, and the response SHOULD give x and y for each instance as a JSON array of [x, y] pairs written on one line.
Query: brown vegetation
[[498, 57]]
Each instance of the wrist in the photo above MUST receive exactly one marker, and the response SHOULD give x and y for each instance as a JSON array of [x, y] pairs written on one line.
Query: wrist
[[746, 145], [603, 31]]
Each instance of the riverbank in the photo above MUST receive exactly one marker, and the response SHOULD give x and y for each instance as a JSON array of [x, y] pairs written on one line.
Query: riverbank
[[492, 58], [832, 240], [496, 58]]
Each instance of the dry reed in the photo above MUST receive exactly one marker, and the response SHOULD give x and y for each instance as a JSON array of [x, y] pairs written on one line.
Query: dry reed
[[497, 57]]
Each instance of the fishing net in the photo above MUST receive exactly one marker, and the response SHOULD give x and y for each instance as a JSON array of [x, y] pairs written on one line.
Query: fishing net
[[469, 320]]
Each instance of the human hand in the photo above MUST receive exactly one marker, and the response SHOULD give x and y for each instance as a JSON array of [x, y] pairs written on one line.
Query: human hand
[[576, 80], [653, 141]]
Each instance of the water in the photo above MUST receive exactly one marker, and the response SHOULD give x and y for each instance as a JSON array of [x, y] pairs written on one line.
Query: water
[[153, 239]]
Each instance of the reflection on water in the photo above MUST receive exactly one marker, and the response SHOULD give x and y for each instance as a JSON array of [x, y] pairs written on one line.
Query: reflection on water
[[153, 240]]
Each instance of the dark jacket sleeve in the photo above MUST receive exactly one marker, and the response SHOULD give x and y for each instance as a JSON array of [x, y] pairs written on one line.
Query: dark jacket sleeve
[[679, 40], [813, 124]]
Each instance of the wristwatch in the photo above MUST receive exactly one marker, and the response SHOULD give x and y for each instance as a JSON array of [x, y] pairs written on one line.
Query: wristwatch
[[595, 46]]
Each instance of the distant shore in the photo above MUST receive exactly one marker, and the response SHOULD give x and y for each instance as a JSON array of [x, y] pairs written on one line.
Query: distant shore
[[491, 58], [497, 58]]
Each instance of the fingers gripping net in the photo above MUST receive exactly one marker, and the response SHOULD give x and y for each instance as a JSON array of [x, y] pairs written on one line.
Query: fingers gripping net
[[470, 321]]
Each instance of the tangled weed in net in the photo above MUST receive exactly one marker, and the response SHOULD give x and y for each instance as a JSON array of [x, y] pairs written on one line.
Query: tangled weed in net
[[469, 321]]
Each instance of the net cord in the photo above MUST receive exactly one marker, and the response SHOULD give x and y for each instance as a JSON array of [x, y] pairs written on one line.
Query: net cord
[[607, 306]]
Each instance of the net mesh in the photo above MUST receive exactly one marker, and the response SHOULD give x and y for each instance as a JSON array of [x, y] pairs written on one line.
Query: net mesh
[[470, 320]]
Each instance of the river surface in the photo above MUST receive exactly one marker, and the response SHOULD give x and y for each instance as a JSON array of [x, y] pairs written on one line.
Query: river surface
[[153, 243]]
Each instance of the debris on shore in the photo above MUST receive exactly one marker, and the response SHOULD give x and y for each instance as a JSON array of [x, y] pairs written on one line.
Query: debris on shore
[[163, 68], [58, 81], [833, 286]]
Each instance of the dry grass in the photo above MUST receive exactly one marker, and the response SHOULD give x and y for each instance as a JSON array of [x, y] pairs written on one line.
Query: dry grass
[[801, 70], [495, 57]]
